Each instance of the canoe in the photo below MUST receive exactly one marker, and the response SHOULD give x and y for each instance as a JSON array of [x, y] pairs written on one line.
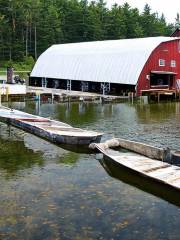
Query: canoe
[[144, 160], [54, 131]]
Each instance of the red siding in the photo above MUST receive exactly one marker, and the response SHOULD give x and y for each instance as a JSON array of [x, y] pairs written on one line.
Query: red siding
[[167, 51]]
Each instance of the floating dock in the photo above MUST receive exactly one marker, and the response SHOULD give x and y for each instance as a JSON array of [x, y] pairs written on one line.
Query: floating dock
[[144, 160], [51, 130]]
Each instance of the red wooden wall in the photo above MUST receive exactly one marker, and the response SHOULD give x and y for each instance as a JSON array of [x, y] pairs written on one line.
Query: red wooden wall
[[167, 51]]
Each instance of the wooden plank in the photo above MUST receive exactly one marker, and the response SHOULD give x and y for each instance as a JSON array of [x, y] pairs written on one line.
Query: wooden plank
[[143, 149], [155, 168], [142, 164]]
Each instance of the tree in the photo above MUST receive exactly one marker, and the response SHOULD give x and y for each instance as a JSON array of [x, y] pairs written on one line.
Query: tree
[[116, 27], [29, 27], [177, 21], [49, 26]]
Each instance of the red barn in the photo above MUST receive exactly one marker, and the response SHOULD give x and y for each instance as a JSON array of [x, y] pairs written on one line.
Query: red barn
[[162, 69], [117, 66]]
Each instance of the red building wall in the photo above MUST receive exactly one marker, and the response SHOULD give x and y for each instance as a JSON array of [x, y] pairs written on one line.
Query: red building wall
[[167, 51]]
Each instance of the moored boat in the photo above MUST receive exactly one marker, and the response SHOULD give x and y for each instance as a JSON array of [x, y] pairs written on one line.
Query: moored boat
[[51, 130], [142, 159]]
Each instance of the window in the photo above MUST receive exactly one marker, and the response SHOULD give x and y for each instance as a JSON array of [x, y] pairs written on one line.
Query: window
[[161, 62], [173, 63]]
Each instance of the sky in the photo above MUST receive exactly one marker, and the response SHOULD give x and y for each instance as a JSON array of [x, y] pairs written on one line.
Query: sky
[[169, 8]]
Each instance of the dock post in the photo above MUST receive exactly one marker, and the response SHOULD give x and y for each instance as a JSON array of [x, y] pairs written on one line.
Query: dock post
[[132, 97], [69, 85], [7, 94], [158, 97], [39, 99], [0, 96], [52, 98], [38, 102]]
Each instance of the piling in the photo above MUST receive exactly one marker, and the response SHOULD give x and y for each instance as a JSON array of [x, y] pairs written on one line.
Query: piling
[[7, 94]]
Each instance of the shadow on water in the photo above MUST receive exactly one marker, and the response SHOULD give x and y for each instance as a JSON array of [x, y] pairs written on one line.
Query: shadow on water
[[20, 151], [19, 156], [145, 184], [76, 148]]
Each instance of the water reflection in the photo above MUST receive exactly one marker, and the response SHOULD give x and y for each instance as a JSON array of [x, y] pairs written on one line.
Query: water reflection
[[14, 157], [64, 195], [157, 112], [20, 151]]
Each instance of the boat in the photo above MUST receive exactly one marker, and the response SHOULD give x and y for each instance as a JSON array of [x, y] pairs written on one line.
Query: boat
[[54, 131], [147, 161]]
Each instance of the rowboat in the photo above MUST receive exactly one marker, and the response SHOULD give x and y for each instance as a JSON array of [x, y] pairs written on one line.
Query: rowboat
[[144, 160], [54, 131]]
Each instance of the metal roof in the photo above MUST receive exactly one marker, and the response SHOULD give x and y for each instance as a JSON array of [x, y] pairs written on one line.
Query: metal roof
[[114, 61]]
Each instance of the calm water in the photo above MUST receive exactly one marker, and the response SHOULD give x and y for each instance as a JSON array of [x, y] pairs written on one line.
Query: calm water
[[47, 192]]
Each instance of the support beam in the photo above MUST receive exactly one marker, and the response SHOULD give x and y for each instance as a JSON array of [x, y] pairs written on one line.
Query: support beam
[[106, 87], [44, 82], [68, 85], [84, 86]]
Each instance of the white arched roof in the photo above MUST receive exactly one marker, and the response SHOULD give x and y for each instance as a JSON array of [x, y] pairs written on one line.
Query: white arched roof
[[114, 61]]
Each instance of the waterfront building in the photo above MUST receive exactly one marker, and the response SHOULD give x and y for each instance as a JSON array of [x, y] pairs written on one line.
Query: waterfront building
[[138, 65]]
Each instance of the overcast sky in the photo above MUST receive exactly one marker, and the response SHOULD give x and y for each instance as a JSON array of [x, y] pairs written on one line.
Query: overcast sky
[[169, 8]]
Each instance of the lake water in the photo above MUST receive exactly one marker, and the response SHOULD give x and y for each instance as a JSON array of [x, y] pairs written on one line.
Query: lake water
[[47, 192]]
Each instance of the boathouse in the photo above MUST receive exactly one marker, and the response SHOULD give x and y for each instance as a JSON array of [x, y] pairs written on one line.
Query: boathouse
[[142, 65]]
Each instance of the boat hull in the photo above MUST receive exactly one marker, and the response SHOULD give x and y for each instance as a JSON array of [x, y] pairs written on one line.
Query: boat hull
[[51, 130], [55, 138], [154, 169]]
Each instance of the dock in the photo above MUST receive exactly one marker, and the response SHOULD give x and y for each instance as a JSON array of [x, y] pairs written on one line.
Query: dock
[[144, 160], [62, 95], [158, 94], [54, 131], [12, 91]]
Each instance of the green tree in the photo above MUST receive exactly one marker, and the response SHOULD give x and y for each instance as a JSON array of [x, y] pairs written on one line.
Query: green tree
[[29, 27], [94, 27], [116, 27], [177, 21], [49, 30]]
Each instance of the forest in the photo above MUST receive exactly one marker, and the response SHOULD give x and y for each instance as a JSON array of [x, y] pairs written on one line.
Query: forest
[[29, 27]]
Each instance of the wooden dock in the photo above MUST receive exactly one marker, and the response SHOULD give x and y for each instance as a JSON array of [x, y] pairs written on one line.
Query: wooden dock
[[144, 160], [51, 130], [157, 94], [62, 95]]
